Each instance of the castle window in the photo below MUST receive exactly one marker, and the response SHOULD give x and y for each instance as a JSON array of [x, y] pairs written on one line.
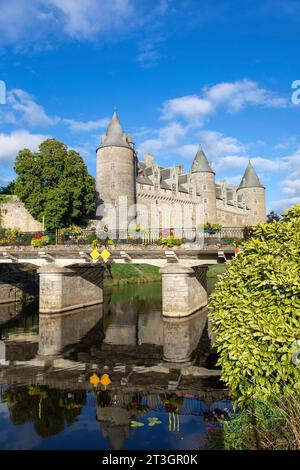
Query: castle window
[[156, 187], [141, 186], [191, 191], [204, 187], [156, 174], [174, 188], [255, 201], [205, 201], [112, 185]]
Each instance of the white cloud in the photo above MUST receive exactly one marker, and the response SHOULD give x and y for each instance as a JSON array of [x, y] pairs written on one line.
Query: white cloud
[[164, 139], [217, 145], [282, 204], [148, 57], [291, 184], [11, 144], [85, 19], [234, 96], [40, 24], [82, 126], [188, 107], [291, 187], [237, 95], [23, 108]]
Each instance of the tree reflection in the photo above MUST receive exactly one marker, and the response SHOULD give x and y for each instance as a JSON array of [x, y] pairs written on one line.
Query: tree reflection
[[49, 409]]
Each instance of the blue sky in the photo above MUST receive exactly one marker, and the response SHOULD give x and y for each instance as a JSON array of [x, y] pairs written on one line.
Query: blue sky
[[179, 72]]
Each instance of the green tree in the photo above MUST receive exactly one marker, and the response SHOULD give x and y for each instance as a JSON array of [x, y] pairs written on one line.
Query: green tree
[[8, 189], [54, 183], [272, 217], [255, 313]]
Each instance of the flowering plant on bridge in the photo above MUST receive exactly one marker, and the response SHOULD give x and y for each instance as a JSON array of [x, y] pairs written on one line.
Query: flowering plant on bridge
[[212, 228], [170, 241], [39, 240], [9, 236]]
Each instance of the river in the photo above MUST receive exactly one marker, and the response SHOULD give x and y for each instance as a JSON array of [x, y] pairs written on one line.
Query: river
[[50, 395]]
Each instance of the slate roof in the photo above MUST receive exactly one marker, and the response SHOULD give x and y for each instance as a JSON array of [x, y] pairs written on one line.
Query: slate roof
[[250, 179], [200, 163], [164, 185], [114, 136], [182, 189], [142, 179]]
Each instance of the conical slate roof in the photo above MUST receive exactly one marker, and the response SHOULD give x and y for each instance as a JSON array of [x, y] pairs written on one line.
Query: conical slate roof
[[200, 163], [114, 136], [250, 179]]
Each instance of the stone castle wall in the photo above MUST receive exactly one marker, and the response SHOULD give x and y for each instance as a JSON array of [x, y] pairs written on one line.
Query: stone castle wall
[[14, 215]]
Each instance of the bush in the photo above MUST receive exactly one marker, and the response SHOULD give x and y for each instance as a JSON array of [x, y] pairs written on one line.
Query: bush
[[40, 241], [9, 236], [212, 227], [272, 425], [170, 241], [255, 312], [248, 232]]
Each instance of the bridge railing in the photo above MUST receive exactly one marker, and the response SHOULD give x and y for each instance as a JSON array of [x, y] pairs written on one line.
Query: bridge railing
[[225, 236]]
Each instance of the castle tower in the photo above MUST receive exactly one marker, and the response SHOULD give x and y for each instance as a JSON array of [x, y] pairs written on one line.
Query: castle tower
[[255, 197], [204, 178], [116, 174]]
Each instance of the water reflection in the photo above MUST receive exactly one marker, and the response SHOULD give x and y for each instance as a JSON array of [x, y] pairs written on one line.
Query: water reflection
[[127, 338], [56, 331], [123, 420], [128, 328], [49, 410]]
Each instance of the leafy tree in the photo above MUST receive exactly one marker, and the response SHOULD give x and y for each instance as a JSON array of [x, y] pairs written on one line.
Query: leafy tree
[[272, 217], [255, 313], [8, 189], [54, 183]]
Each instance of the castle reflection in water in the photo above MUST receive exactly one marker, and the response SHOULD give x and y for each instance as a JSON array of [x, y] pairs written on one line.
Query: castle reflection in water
[[154, 366]]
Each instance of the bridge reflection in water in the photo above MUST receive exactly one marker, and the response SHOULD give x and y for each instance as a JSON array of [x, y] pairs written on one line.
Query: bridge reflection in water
[[51, 357]]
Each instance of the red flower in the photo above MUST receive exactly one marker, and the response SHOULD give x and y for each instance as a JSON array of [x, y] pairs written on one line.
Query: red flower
[[37, 235]]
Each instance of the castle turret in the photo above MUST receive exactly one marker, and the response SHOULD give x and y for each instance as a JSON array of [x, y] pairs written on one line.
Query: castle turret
[[254, 194], [204, 178], [115, 179]]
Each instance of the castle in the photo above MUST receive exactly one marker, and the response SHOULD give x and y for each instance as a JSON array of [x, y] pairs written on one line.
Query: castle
[[158, 193], [155, 197]]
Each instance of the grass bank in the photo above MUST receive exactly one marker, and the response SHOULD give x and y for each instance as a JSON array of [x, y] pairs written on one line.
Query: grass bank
[[263, 425], [123, 274], [216, 269]]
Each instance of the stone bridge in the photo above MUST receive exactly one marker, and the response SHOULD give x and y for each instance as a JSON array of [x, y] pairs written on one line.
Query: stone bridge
[[70, 278]]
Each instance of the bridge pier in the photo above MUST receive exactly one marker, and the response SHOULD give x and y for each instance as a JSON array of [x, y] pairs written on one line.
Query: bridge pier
[[63, 289], [182, 293], [182, 336], [10, 293], [59, 330]]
